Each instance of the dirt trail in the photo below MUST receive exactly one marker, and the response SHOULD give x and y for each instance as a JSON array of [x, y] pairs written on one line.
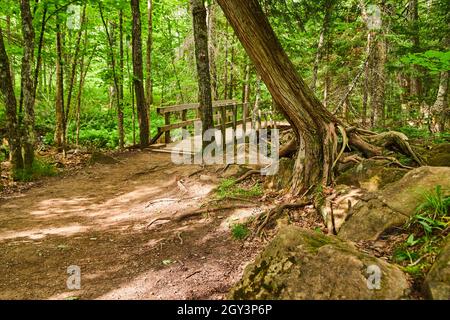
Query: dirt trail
[[96, 219]]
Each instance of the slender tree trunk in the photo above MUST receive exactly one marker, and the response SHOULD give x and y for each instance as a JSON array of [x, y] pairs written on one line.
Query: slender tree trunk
[[73, 72], [313, 124], [246, 89], [415, 82], [9, 38], [440, 108], [28, 84], [116, 78], [180, 96], [225, 82], [320, 44], [7, 92], [121, 79], [148, 80], [255, 111], [59, 99], [39, 53], [138, 75], [202, 57], [231, 85]]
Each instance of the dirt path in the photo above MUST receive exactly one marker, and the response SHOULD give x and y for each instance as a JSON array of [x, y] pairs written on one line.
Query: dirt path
[[97, 220]]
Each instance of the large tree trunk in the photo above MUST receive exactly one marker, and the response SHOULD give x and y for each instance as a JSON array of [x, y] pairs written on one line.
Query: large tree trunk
[[139, 75], [202, 57], [7, 93], [28, 84], [313, 124]]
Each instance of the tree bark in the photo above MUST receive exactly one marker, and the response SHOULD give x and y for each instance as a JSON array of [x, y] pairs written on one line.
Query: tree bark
[[116, 78], [59, 99], [148, 80], [28, 84], [320, 44], [39, 53], [73, 72], [313, 124], [415, 82], [7, 93], [212, 43], [142, 109], [202, 58], [440, 109]]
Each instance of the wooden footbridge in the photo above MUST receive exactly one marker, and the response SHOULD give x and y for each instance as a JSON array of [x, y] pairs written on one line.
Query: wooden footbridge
[[232, 118]]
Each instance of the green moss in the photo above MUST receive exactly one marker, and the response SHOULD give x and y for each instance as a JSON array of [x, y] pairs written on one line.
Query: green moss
[[228, 188]]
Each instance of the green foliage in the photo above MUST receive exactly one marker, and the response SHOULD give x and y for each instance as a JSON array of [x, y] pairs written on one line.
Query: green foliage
[[428, 226], [432, 60], [40, 169], [228, 188], [239, 231]]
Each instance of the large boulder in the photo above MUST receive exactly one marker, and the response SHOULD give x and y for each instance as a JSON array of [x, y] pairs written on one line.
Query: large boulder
[[395, 204], [302, 264], [437, 282]]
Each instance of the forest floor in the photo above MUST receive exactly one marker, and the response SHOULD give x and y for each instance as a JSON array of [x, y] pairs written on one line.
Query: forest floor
[[97, 219]]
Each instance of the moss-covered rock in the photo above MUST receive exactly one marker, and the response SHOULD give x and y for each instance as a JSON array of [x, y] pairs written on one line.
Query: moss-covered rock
[[371, 175], [302, 264], [437, 282], [392, 206], [439, 155]]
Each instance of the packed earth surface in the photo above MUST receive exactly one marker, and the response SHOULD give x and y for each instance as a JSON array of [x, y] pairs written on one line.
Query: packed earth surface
[[98, 219]]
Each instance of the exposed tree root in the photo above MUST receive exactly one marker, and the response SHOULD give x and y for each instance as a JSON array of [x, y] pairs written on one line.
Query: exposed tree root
[[197, 212], [275, 213], [393, 161], [247, 174]]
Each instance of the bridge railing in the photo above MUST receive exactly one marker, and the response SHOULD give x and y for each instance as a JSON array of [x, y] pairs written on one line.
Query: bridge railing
[[226, 114]]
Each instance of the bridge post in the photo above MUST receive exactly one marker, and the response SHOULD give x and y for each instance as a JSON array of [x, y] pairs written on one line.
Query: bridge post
[[167, 133]]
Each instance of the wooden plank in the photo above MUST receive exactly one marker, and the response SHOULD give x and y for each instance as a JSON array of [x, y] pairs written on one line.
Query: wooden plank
[[177, 108], [193, 106], [178, 125]]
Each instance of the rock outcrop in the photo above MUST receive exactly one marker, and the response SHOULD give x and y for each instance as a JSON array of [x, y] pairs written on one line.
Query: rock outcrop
[[395, 204], [437, 282], [303, 264]]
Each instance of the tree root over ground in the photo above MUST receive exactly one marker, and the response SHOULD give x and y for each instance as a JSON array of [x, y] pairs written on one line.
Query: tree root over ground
[[190, 214], [263, 220]]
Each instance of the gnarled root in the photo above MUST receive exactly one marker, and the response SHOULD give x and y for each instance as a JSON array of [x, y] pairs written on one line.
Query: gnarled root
[[264, 219]]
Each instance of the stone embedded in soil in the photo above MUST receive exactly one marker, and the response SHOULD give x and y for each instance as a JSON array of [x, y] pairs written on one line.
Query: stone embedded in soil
[[395, 204], [437, 282], [302, 264]]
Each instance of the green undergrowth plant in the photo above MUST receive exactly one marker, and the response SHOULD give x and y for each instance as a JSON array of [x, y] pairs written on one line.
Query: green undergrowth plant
[[228, 188], [427, 227], [239, 231], [40, 168]]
